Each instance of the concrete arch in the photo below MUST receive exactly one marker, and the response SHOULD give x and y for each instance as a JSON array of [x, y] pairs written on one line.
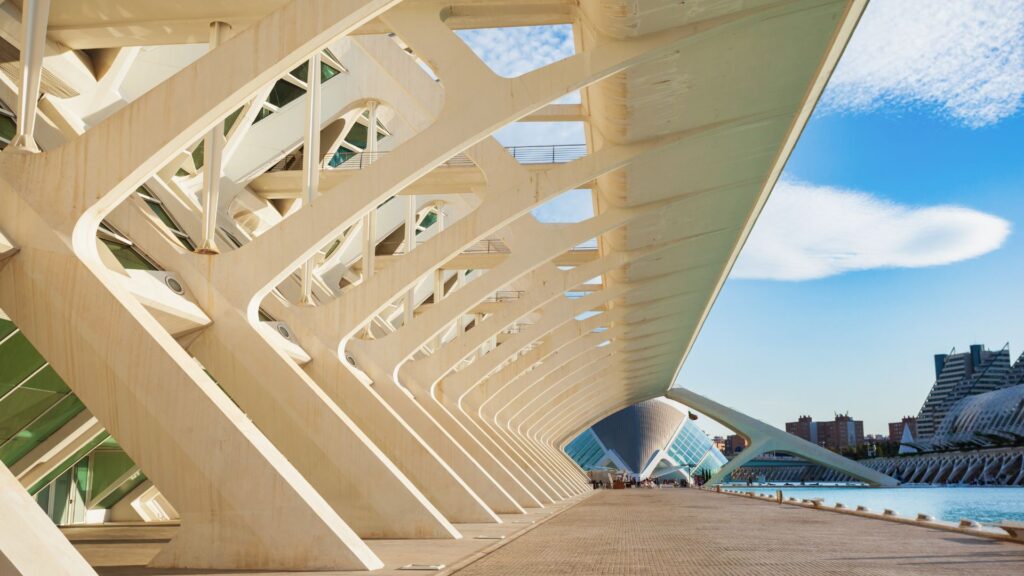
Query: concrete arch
[[764, 438]]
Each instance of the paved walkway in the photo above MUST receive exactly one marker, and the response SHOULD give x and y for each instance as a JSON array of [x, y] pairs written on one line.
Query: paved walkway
[[125, 549], [677, 532]]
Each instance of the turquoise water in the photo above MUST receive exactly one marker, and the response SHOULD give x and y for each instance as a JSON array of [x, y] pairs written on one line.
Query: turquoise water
[[981, 503]]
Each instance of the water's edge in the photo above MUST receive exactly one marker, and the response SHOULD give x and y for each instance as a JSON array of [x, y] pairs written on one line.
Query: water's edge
[[952, 503]]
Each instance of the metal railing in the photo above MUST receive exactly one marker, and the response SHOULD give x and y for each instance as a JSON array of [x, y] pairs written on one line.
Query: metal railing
[[549, 154], [344, 160]]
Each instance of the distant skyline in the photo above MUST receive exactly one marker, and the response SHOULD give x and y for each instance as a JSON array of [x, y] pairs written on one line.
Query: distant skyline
[[893, 234]]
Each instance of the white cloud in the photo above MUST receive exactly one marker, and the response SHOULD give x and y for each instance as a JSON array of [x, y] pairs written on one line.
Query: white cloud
[[512, 52], [808, 232], [964, 57]]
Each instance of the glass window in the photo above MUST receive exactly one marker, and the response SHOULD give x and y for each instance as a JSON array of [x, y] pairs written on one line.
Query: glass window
[[8, 128], [283, 93], [197, 154], [67, 464], [340, 157], [21, 407], [357, 136], [229, 122], [302, 72], [327, 72], [157, 207], [6, 327], [263, 113], [429, 220], [30, 436], [122, 490], [129, 257], [108, 465], [18, 360]]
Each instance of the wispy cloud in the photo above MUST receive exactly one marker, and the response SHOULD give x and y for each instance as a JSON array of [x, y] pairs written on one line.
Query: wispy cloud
[[512, 52], [808, 232], [963, 57]]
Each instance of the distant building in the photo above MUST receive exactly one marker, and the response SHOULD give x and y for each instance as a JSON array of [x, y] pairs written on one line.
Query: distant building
[[840, 434], [982, 420], [805, 428], [896, 428], [734, 444], [719, 442], [651, 439], [959, 375]]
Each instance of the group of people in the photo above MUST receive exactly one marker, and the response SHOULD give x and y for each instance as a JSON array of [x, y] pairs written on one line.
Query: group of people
[[645, 483]]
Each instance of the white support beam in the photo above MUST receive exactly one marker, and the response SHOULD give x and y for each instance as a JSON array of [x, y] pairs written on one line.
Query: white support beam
[[213, 143], [410, 245], [764, 438], [30, 543], [7, 249], [61, 445], [311, 162], [33, 34]]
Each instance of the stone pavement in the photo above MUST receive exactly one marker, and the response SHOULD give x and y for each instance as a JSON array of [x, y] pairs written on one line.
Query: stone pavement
[[674, 531]]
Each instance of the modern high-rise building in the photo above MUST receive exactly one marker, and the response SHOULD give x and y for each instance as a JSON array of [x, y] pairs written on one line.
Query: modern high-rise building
[[652, 439], [840, 434], [990, 419], [265, 270], [958, 375]]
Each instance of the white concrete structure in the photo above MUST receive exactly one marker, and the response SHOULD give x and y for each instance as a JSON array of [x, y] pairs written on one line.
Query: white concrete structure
[[387, 343]]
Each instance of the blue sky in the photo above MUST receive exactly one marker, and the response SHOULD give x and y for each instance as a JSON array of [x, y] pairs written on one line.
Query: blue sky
[[895, 232]]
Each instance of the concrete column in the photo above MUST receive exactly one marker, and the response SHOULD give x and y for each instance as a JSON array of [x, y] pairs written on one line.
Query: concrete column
[[369, 242], [311, 161], [438, 296], [370, 220], [33, 34], [30, 543], [212, 145], [371, 129], [410, 245], [477, 319]]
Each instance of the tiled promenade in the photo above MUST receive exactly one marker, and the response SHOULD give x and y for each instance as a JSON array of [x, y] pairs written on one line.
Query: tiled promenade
[[124, 549], [636, 532], [677, 532]]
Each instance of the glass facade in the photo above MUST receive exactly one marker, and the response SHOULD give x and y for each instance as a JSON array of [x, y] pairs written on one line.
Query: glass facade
[[8, 126], [35, 403], [586, 450], [293, 85], [690, 448], [693, 450], [157, 207], [130, 257]]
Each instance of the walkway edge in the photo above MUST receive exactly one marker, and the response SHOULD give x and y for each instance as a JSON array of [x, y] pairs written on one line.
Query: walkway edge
[[978, 532]]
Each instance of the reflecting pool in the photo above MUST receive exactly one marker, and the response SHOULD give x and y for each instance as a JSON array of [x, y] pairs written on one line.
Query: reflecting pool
[[981, 503]]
